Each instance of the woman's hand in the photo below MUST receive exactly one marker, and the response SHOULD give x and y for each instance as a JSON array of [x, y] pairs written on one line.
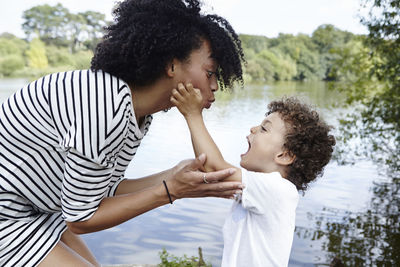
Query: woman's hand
[[187, 99], [188, 182]]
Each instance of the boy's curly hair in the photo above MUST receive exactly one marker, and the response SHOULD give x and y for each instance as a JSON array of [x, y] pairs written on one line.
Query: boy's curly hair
[[307, 137], [149, 34]]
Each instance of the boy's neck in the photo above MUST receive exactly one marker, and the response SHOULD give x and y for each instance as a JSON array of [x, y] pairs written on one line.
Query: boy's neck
[[277, 168]]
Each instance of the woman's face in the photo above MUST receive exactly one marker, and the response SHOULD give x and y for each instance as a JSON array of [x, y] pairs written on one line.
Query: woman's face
[[200, 70]]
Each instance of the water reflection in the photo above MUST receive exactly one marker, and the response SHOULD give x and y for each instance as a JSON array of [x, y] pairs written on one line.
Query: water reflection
[[367, 238]]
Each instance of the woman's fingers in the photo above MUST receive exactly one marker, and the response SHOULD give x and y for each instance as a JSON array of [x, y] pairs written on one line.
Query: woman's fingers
[[226, 190], [223, 188], [213, 177], [188, 181]]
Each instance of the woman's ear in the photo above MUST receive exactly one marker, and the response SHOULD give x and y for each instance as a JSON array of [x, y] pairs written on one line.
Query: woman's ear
[[285, 158], [170, 69]]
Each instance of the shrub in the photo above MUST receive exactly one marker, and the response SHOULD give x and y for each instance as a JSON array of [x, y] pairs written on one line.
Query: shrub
[[168, 260]]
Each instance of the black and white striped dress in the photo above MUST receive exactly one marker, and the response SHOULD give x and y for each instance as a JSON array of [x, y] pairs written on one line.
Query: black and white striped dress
[[65, 142]]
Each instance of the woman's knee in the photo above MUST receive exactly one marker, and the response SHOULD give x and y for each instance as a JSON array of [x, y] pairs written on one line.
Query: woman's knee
[[76, 243], [62, 255]]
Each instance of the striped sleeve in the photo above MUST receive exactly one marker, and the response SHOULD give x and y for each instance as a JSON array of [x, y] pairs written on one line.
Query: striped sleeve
[[91, 112]]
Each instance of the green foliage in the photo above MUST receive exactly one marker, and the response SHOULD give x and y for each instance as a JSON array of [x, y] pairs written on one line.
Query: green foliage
[[168, 260], [254, 42], [290, 57], [56, 25], [11, 46], [82, 59], [328, 36], [283, 67], [37, 54], [11, 63], [47, 22], [11, 54], [59, 41], [370, 70], [59, 56]]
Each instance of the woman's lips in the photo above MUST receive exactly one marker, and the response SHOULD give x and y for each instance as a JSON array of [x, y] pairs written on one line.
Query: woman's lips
[[209, 103]]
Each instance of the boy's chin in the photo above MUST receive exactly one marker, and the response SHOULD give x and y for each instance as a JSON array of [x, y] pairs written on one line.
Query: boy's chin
[[242, 164]]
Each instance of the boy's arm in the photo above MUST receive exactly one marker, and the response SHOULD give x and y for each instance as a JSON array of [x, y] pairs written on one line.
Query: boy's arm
[[189, 102]]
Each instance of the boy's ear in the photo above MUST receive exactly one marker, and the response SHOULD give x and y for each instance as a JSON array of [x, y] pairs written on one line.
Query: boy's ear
[[285, 158]]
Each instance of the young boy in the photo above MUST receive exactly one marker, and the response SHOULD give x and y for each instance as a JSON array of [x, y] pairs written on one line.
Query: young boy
[[286, 151]]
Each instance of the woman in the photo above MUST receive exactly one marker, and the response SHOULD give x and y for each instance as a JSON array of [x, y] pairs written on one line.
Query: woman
[[67, 138]]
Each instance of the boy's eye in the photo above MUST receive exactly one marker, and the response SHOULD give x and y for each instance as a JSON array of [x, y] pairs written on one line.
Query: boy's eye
[[263, 129]]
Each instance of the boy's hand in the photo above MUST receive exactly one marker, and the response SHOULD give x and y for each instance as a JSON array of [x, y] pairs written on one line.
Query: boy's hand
[[187, 99]]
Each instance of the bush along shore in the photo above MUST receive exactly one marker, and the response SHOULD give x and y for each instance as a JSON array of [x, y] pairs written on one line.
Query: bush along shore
[[169, 260]]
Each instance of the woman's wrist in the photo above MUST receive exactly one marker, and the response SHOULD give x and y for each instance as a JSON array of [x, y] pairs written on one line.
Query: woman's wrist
[[169, 184], [162, 194], [168, 194]]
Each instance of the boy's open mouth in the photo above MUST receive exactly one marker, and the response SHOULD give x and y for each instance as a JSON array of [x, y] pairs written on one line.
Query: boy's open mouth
[[248, 148]]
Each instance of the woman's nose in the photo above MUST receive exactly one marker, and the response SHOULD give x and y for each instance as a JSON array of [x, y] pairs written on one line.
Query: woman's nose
[[214, 84]]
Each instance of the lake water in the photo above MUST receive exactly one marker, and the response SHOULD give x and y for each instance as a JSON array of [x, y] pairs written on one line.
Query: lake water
[[191, 223]]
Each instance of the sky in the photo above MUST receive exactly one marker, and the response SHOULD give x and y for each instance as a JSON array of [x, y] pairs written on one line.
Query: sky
[[259, 17]]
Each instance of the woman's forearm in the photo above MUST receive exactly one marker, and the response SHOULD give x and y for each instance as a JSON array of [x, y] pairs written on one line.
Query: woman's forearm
[[183, 181], [136, 185], [115, 210]]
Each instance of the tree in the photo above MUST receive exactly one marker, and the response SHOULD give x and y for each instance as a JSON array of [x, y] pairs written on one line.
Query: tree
[[10, 44], [56, 25], [254, 42], [12, 50], [326, 38], [11, 63], [283, 67], [95, 24], [86, 29], [47, 22], [59, 56], [370, 72], [37, 54], [375, 85]]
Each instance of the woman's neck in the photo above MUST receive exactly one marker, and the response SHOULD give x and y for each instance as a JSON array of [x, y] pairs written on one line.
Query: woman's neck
[[150, 99]]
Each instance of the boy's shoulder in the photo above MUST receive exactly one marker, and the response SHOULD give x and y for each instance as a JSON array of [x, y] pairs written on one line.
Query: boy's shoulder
[[268, 189], [268, 178]]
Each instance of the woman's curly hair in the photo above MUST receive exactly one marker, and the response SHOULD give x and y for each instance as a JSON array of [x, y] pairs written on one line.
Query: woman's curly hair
[[149, 34], [307, 137]]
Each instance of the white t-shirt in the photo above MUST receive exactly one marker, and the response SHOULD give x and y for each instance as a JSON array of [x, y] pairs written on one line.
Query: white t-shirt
[[259, 228]]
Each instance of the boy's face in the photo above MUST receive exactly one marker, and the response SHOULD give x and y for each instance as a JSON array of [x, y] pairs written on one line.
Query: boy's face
[[265, 144]]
